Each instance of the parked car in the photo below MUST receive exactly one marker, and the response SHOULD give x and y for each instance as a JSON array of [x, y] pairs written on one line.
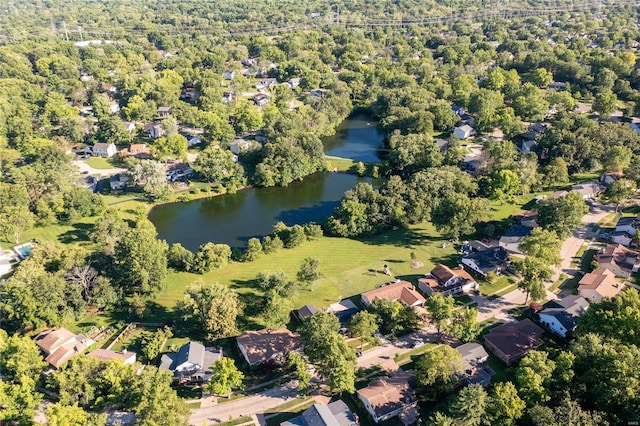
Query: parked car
[[418, 343]]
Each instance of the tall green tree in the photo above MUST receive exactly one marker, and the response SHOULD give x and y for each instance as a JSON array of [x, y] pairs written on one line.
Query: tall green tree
[[225, 377], [214, 307], [562, 214], [437, 371], [298, 363], [363, 325], [327, 349], [440, 310], [505, 406], [140, 260], [470, 406]]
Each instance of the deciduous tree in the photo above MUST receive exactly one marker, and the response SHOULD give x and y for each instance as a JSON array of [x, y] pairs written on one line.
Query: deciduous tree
[[225, 377]]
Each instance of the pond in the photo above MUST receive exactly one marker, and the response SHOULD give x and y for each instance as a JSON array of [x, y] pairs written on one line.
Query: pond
[[356, 138], [234, 218]]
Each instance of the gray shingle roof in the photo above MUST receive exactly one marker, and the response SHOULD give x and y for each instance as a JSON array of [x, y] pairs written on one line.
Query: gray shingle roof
[[567, 310], [335, 414]]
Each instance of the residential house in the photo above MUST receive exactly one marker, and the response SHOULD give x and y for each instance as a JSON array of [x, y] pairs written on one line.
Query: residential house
[[635, 125], [88, 182], [527, 145], [240, 145], [164, 111], [261, 99], [608, 178], [260, 347], [104, 150], [294, 82], [447, 281], [192, 140], [114, 108], [598, 284], [467, 119], [138, 150], [59, 345], [512, 238], [344, 310], [588, 190], [192, 362], [402, 291], [535, 129], [492, 259], [561, 316], [127, 358], [513, 340], [557, 85], [621, 237], [229, 75], [189, 94], [318, 93], [118, 182], [618, 259], [336, 413], [628, 224], [266, 83], [154, 130], [388, 397], [120, 418], [475, 370], [464, 132], [129, 126], [305, 312], [228, 97], [528, 219]]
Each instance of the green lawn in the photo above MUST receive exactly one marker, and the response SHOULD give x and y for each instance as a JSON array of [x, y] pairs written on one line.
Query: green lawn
[[417, 351], [349, 267], [488, 288], [99, 163]]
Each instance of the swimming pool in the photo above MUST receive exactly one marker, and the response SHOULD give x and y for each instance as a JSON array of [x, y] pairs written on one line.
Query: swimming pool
[[24, 250]]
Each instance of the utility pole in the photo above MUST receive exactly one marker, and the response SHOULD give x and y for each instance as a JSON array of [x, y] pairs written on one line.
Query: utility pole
[[66, 33], [80, 31]]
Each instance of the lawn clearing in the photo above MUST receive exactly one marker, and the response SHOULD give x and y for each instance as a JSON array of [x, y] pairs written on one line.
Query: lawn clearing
[[99, 163], [415, 352], [349, 267], [488, 288]]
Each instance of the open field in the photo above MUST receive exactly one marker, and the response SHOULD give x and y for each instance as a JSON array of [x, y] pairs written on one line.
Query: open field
[[349, 266], [100, 163]]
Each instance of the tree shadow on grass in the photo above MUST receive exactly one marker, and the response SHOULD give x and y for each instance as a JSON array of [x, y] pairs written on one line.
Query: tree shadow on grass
[[80, 233], [401, 238], [412, 278]]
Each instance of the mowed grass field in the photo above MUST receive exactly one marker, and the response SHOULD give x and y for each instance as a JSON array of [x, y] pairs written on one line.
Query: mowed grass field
[[349, 267]]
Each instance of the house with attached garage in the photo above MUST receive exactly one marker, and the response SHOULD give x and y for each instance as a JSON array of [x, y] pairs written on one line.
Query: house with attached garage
[[475, 371], [401, 291], [512, 238], [59, 345], [263, 346], [618, 259], [464, 132], [561, 316], [512, 341], [447, 281], [336, 413], [104, 150], [388, 397], [621, 237], [192, 362], [599, 284], [628, 224], [484, 261]]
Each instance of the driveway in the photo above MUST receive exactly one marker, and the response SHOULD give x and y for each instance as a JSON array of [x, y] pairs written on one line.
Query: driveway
[[248, 406], [499, 308], [389, 350]]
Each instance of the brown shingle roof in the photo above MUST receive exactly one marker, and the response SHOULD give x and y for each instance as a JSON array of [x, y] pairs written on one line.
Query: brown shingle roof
[[618, 255], [60, 345], [402, 291], [265, 344], [386, 395], [516, 338], [601, 280], [50, 340]]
